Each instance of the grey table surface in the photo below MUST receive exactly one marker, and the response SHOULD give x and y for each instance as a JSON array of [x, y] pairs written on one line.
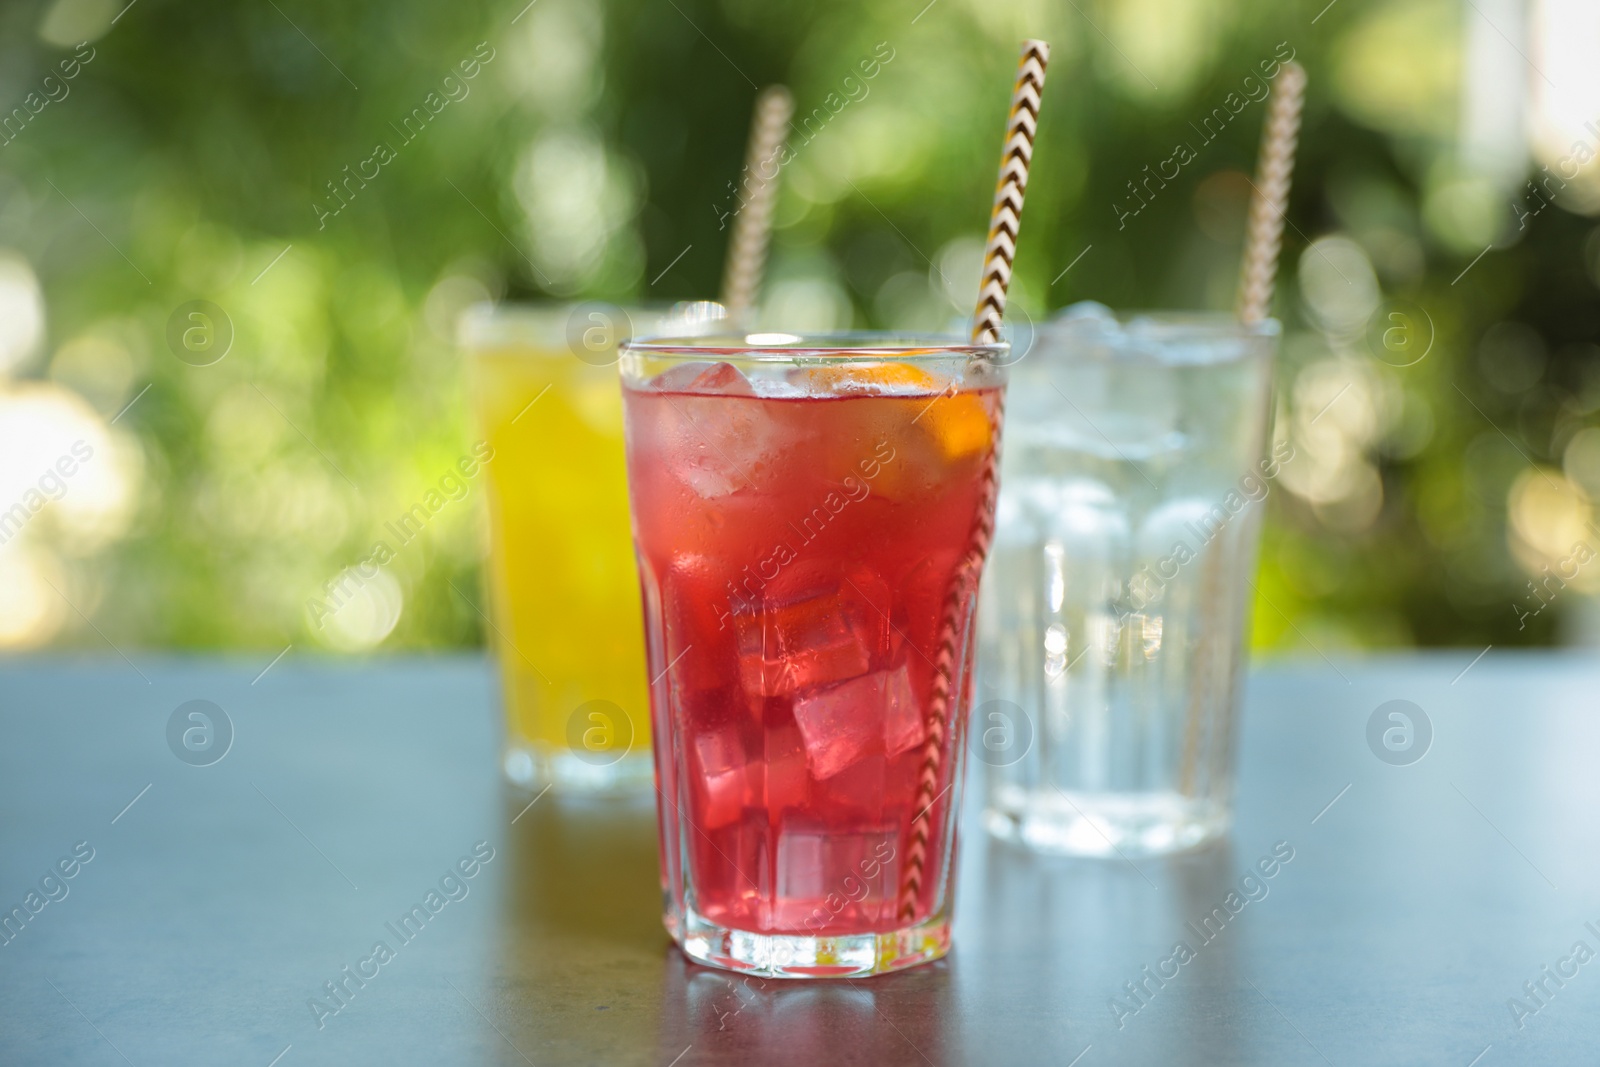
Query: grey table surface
[[219, 899]]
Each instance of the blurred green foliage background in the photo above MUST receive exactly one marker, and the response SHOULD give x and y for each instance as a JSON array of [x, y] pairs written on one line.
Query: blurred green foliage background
[[1443, 407]]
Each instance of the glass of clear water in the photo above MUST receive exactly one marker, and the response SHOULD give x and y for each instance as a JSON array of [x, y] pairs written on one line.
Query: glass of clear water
[[1114, 611]]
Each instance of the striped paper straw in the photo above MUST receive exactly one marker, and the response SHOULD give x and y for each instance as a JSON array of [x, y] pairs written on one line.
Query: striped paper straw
[[1275, 168], [950, 655], [747, 248], [1006, 215]]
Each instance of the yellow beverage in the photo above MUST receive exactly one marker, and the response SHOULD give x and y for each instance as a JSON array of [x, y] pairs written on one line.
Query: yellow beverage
[[567, 626]]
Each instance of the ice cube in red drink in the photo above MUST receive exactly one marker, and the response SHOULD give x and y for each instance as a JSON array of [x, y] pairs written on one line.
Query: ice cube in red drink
[[807, 628], [842, 723]]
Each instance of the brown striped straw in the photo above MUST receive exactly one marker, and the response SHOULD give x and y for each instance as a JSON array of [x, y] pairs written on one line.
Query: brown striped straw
[[1275, 168], [752, 225], [1006, 215], [953, 659]]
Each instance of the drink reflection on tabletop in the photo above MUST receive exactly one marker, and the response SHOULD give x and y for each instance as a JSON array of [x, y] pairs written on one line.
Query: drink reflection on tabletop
[[584, 871], [590, 974], [582, 942], [1089, 929], [737, 1018]]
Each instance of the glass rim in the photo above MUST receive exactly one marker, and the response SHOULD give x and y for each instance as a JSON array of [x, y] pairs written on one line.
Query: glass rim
[[845, 346]]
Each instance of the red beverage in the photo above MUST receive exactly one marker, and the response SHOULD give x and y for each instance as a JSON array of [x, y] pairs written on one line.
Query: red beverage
[[809, 542]]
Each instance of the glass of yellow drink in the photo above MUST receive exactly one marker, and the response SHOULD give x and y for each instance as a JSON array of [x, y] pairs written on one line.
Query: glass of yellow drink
[[565, 618]]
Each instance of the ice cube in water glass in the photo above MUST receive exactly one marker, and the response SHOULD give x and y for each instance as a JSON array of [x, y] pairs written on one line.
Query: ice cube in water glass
[[1185, 520]]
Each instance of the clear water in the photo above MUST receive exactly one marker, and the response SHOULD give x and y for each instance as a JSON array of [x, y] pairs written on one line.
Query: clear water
[[1116, 595]]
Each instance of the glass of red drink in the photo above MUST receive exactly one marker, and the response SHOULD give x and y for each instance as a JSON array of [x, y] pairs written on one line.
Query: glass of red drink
[[811, 516]]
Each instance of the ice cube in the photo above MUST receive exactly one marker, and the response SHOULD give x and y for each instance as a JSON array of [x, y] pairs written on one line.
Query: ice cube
[[840, 724], [1190, 521], [1085, 309], [693, 601], [843, 723], [817, 864], [722, 444], [678, 378], [723, 379], [799, 642], [1086, 316], [722, 780], [805, 629], [903, 727], [1087, 320], [1082, 513], [1087, 516], [1074, 492], [775, 388], [698, 376], [783, 763]]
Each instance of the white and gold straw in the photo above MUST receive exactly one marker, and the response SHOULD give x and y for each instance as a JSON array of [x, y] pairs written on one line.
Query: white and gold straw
[[752, 226], [1006, 215], [1263, 242], [1275, 168]]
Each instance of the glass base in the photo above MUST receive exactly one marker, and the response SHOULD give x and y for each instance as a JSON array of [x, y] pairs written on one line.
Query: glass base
[[799, 956], [534, 767], [1103, 824]]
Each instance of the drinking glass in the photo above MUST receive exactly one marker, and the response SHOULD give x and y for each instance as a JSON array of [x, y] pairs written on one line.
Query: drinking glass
[[811, 516], [564, 609], [1114, 615]]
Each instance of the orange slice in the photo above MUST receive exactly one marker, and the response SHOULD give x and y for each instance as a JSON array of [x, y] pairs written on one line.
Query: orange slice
[[956, 421], [959, 423]]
